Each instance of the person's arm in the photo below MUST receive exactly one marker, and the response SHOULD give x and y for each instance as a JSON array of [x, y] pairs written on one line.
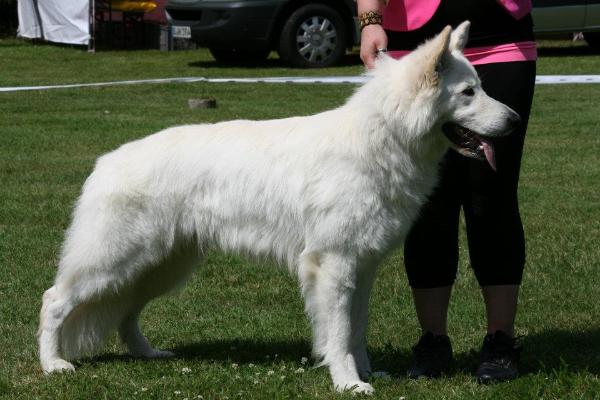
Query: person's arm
[[372, 36]]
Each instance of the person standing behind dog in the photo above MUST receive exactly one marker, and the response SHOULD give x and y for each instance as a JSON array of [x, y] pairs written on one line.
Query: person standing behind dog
[[502, 49]]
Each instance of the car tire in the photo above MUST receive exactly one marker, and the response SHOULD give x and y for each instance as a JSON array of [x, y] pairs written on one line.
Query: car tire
[[313, 36], [593, 40], [239, 56]]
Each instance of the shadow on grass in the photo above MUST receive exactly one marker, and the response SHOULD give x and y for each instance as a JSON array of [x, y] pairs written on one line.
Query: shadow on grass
[[245, 351], [554, 350], [544, 352], [548, 352], [239, 351], [261, 353]]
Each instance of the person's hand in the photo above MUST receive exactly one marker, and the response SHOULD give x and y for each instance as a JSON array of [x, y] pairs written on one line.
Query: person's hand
[[372, 38]]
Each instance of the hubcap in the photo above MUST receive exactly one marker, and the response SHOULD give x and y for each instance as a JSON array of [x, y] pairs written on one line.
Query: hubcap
[[316, 39]]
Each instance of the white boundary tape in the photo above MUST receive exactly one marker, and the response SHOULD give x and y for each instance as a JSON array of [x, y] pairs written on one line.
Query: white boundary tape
[[540, 80]]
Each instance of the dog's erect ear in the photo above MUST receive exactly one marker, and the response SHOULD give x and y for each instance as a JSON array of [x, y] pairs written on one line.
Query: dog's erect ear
[[438, 50], [460, 36]]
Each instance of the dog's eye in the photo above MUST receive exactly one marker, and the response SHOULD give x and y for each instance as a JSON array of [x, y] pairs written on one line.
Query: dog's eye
[[469, 92]]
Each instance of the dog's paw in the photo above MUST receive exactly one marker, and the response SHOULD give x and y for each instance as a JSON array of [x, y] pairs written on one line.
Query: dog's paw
[[58, 365], [363, 388], [356, 387]]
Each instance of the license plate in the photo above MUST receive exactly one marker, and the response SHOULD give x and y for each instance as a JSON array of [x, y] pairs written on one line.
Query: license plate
[[182, 32]]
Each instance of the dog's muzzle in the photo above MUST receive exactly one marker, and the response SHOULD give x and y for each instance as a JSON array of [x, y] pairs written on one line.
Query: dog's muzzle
[[469, 143]]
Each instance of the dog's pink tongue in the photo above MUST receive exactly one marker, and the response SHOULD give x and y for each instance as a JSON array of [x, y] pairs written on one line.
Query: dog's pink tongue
[[488, 149]]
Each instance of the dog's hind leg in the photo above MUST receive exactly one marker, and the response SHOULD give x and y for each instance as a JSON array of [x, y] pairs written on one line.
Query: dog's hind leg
[[360, 311], [74, 322], [56, 307], [161, 279], [336, 286], [136, 342]]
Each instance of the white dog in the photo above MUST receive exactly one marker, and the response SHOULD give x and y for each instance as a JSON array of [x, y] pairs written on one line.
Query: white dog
[[329, 195]]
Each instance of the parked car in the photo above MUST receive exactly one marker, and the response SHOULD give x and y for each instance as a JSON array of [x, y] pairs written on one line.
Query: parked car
[[317, 33], [566, 16], [304, 33]]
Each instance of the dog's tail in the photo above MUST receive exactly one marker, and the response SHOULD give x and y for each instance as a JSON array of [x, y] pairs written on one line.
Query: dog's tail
[[73, 326]]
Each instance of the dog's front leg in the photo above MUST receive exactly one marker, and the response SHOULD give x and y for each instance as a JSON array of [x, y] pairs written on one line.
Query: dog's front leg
[[360, 312], [337, 287]]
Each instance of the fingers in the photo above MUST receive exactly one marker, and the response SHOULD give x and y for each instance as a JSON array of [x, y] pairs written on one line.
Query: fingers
[[373, 38]]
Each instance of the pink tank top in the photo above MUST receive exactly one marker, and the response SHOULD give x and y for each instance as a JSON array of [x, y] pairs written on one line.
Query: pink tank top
[[408, 15]]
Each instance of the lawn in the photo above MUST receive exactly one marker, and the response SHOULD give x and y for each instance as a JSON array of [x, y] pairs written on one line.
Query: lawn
[[238, 327]]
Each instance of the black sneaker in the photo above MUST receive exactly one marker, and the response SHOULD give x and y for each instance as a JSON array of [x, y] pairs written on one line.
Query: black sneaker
[[499, 359], [432, 356]]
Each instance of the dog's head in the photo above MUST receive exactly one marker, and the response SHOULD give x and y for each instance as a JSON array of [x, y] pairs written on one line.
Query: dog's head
[[445, 87]]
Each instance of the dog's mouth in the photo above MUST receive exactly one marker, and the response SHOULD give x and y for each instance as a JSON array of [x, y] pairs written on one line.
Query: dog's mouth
[[469, 143]]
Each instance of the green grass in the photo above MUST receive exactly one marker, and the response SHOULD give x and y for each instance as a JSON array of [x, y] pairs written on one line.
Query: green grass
[[235, 312], [24, 63]]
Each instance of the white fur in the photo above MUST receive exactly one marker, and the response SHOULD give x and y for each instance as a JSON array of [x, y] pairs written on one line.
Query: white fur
[[327, 195]]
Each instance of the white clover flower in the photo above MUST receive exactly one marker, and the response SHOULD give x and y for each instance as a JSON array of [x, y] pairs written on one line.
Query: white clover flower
[[250, 365], [234, 366], [144, 389], [270, 372], [177, 392], [186, 370], [299, 371], [303, 360]]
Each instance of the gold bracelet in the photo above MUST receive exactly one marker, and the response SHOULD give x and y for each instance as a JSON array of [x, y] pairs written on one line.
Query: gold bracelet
[[370, 18]]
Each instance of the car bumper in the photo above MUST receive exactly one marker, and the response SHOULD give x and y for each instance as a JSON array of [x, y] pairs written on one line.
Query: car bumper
[[226, 24]]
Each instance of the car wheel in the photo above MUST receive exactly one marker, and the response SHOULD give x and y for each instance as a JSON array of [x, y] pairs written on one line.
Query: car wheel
[[593, 39], [313, 36], [239, 56]]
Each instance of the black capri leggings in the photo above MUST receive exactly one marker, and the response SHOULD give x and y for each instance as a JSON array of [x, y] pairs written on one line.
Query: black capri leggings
[[488, 198]]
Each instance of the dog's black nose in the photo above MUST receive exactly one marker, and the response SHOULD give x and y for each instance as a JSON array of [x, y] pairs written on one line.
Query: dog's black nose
[[514, 121]]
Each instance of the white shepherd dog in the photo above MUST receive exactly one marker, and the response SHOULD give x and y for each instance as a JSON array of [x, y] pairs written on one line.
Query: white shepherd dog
[[329, 195]]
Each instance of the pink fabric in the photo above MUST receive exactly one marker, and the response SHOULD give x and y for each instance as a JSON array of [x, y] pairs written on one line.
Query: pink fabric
[[517, 8], [521, 51], [408, 15]]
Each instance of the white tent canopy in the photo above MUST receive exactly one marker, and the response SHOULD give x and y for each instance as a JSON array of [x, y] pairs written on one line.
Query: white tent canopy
[[62, 21]]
